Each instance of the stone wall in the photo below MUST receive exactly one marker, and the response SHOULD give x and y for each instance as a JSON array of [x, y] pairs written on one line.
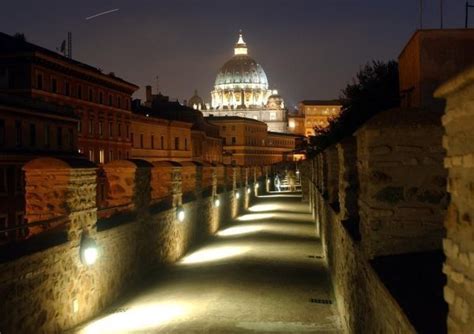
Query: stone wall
[[52, 290], [403, 195], [459, 242]]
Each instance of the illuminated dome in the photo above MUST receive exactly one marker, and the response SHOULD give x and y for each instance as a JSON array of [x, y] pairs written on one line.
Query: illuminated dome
[[196, 101], [241, 81], [241, 71]]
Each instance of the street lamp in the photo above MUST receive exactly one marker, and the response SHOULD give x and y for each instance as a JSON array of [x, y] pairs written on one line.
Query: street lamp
[[180, 214], [88, 251]]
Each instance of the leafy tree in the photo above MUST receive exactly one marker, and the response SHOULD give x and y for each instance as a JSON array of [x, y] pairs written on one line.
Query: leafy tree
[[20, 36], [374, 89]]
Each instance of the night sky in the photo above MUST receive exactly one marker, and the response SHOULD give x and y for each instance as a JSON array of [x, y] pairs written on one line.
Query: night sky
[[309, 49]]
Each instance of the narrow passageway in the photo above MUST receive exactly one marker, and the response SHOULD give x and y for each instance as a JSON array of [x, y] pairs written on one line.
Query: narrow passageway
[[262, 273]]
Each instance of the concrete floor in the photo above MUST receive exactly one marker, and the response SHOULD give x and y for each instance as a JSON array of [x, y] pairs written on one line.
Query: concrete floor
[[256, 276]]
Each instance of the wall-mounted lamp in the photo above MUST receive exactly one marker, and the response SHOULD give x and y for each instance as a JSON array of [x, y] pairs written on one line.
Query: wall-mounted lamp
[[257, 185], [217, 202], [89, 251], [248, 190], [180, 214], [237, 194]]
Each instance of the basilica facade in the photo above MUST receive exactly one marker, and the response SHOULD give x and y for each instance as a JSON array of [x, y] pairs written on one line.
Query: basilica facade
[[241, 89]]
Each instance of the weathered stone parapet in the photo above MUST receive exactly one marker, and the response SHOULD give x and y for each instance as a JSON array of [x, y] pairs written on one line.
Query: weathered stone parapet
[[64, 189], [331, 159], [402, 196], [458, 244]]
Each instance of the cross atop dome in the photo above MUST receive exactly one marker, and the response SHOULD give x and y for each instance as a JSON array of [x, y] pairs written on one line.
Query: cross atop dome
[[240, 48]]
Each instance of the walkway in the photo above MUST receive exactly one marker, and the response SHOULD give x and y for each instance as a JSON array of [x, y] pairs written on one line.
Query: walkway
[[257, 276]]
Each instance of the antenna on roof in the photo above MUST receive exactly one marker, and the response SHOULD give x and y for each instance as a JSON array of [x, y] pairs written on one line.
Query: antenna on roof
[[69, 45]]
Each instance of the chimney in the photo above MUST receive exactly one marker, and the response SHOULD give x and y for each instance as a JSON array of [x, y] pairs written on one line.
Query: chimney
[[148, 93]]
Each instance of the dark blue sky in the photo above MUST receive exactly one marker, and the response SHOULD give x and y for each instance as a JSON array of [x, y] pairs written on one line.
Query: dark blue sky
[[309, 49]]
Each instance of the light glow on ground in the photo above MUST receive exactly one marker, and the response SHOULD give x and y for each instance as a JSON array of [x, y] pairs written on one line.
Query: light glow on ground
[[255, 216], [213, 254], [264, 207], [139, 318], [240, 230]]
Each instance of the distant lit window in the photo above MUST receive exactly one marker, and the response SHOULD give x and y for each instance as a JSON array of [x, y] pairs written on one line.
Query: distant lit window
[[101, 129], [234, 140], [111, 155], [119, 129], [141, 140], [91, 155], [91, 126], [111, 129], [273, 116], [176, 143], [101, 156]]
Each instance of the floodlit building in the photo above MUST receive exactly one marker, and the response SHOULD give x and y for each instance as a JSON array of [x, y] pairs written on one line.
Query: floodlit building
[[241, 89], [101, 101], [247, 141], [316, 113]]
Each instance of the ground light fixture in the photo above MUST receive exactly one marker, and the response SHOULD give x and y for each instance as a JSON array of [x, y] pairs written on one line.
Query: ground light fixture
[[180, 214], [89, 250], [217, 202]]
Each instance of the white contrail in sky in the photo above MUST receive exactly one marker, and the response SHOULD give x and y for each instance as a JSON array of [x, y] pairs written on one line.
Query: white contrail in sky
[[103, 13]]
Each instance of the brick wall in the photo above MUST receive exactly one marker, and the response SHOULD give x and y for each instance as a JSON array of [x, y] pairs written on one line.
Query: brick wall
[[459, 242], [52, 290]]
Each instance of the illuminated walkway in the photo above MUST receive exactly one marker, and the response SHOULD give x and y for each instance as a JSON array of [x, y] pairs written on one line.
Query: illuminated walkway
[[258, 275]]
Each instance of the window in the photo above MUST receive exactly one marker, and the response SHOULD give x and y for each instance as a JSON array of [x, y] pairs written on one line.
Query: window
[[176, 143], [101, 156], [2, 132], [67, 89], [54, 85], [19, 180], [131, 138], [101, 98], [111, 155], [141, 140], [91, 155], [128, 130], [111, 129], [91, 95], [119, 154], [3, 224], [91, 126], [101, 129], [233, 127], [18, 133], [79, 126], [127, 104], [185, 144], [79, 91], [110, 100], [71, 137], [119, 129], [47, 135], [233, 140], [3, 180], [162, 140], [152, 141], [60, 137], [32, 135], [119, 102], [39, 81]]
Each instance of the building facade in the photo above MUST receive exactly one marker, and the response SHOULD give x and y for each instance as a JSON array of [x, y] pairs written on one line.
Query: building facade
[[241, 89], [101, 101], [28, 129], [204, 143], [247, 141], [317, 113], [156, 139]]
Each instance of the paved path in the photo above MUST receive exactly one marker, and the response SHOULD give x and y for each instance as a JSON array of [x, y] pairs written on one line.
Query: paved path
[[256, 276]]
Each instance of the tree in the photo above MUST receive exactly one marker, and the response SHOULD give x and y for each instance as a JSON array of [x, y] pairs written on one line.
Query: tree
[[374, 89]]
